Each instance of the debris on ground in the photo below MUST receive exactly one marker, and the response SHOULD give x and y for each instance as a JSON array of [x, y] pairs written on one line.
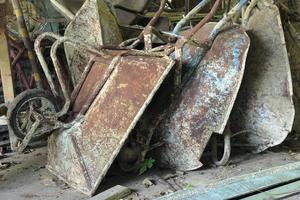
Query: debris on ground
[[48, 181], [4, 165], [147, 182], [168, 176], [114, 193]]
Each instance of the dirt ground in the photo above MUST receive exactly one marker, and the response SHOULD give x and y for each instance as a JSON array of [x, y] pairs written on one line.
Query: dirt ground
[[27, 178]]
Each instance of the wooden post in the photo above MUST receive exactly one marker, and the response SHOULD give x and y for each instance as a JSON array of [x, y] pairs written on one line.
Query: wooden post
[[23, 31], [5, 68]]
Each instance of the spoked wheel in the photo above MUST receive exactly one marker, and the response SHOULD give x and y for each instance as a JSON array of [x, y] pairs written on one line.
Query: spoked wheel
[[30, 109]]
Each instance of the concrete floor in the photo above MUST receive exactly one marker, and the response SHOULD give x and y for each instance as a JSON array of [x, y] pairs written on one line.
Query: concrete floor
[[27, 177]]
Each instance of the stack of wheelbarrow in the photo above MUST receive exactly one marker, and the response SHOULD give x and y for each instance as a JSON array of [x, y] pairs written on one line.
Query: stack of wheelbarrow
[[162, 92]]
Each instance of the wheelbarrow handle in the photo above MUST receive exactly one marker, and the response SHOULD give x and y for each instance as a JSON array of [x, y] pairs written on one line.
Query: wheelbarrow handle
[[190, 15], [135, 41], [206, 19], [155, 18], [76, 45], [58, 41], [38, 51], [227, 18]]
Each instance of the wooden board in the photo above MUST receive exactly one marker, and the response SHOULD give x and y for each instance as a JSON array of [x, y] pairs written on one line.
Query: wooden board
[[278, 193], [242, 186], [6, 73]]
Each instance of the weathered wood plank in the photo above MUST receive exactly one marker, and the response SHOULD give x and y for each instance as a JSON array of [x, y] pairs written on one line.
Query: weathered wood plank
[[278, 193], [5, 69], [242, 185], [114, 193]]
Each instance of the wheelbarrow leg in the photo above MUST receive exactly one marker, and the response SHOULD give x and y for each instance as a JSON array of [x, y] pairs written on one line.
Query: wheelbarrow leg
[[227, 149]]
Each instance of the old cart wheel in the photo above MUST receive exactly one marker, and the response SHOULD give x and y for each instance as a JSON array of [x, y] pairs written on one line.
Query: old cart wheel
[[26, 108]]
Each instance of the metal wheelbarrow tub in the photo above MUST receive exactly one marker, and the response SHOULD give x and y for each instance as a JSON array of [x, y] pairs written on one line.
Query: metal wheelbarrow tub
[[205, 102], [95, 25], [264, 107], [125, 10], [82, 155]]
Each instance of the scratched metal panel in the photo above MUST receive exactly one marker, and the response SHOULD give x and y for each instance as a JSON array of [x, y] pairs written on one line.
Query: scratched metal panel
[[93, 145], [205, 103], [264, 105]]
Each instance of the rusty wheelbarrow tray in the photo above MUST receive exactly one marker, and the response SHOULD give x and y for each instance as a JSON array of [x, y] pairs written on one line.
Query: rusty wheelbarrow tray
[[206, 101], [95, 25], [264, 109], [82, 155]]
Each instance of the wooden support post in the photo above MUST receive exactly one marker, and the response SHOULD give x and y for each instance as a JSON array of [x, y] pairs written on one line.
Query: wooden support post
[[5, 67], [23, 31]]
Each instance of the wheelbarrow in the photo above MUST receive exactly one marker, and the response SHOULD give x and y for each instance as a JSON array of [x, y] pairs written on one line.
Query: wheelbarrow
[[204, 105], [119, 82], [264, 112]]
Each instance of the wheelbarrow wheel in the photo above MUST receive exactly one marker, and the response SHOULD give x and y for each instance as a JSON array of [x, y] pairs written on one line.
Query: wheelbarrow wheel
[[21, 112]]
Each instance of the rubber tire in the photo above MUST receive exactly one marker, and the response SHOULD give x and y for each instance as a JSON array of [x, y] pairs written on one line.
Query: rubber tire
[[18, 101]]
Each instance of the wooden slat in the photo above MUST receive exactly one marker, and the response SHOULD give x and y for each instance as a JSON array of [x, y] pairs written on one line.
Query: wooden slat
[[278, 193], [242, 185], [6, 74]]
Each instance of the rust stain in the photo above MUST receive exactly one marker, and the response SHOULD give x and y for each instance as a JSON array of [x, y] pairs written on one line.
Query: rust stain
[[93, 78]]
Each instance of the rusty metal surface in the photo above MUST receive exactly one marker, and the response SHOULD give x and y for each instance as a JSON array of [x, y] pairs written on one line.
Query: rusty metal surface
[[206, 101], [93, 78], [82, 154], [264, 107], [94, 25]]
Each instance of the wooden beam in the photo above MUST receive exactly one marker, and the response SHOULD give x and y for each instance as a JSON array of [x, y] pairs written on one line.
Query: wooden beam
[[5, 68]]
